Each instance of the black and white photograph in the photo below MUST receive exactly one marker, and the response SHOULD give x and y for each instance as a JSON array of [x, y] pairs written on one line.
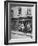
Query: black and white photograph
[[20, 22]]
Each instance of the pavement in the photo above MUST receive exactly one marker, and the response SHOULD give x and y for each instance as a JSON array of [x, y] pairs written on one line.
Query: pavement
[[17, 36]]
